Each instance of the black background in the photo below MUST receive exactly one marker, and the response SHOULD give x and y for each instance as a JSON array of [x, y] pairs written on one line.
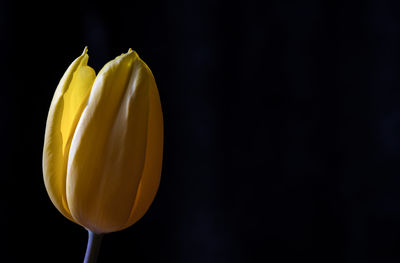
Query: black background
[[282, 128]]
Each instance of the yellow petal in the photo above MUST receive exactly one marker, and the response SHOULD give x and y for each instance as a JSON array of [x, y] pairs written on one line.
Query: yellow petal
[[152, 168], [66, 107], [107, 155]]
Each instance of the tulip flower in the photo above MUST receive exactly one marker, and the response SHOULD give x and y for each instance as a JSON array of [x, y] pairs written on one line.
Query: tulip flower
[[103, 145]]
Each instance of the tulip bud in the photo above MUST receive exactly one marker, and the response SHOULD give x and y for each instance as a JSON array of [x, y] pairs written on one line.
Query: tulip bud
[[103, 143]]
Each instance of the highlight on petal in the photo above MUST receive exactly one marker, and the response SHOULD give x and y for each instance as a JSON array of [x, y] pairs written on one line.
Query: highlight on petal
[[66, 107]]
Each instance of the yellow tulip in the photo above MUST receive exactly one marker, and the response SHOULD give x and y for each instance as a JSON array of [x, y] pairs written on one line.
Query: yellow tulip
[[103, 143]]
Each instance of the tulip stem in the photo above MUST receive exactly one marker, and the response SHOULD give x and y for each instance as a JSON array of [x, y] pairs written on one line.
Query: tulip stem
[[93, 247]]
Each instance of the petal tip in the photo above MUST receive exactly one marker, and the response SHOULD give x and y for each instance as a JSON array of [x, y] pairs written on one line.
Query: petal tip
[[85, 50]]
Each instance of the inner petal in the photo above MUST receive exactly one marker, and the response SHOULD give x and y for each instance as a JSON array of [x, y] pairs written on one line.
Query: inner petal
[[75, 98]]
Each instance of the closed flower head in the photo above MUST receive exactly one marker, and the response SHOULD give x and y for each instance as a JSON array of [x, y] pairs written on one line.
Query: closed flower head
[[103, 143]]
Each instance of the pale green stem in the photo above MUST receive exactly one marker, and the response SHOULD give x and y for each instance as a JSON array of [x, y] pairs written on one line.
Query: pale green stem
[[93, 247]]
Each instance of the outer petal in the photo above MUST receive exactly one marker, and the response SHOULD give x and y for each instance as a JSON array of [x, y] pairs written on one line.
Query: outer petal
[[66, 107], [109, 147], [152, 168]]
